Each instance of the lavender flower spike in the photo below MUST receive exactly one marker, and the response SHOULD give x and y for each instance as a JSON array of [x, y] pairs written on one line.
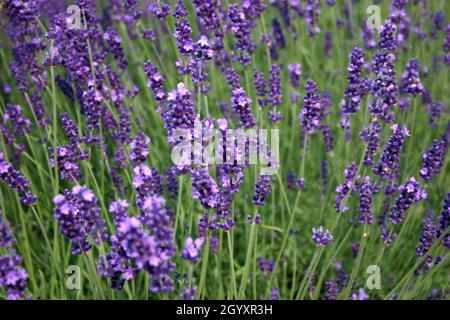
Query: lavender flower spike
[[312, 111], [321, 237], [410, 192], [433, 160], [389, 165]]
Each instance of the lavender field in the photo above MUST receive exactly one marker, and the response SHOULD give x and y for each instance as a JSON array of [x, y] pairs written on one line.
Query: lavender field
[[224, 149]]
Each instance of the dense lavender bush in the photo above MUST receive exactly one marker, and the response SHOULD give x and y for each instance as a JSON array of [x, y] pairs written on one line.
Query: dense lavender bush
[[328, 138]]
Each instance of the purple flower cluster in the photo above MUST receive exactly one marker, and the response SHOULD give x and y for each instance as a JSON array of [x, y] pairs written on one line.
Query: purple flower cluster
[[116, 265], [240, 103], [444, 222], [345, 190], [179, 111], [139, 149], [312, 112], [295, 72], [262, 190], [148, 252], [355, 90], [147, 181], [433, 160], [260, 86], [241, 27], [410, 81], [155, 81], [389, 165], [366, 194], [321, 237], [371, 136], [410, 192], [12, 276], [266, 266], [67, 157], [204, 188], [428, 234], [14, 115], [6, 237], [312, 13], [361, 295], [78, 217], [446, 46], [191, 250], [17, 182], [327, 137], [275, 93], [113, 41], [368, 35], [332, 289], [384, 86]]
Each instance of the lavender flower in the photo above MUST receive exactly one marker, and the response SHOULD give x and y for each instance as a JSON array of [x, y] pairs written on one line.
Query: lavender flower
[[371, 136], [147, 181], [444, 223], [410, 192], [155, 81], [78, 217], [355, 89], [67, 159], [434, 110], [312, 111], [240, 103], [12, 276], [274, 294], [295, 72], [182, 34], [389, 165], [384, 86], [17, 182], [139, 149], [428, 234], [137, 244], [114, 41], [207, 13], [366, 194], [361, 295], [327, 137], [446, 46], [346, 189], [321, 237], [6, 237], [260, 86], [262, 190], [266, 266], [159, 11], [179, 112], [192, 248], [275, 93], [312, 12], [150, 249], [119, 210], [20, 124], [332, 290], [410, 81], [368, 36], [433, 160], [275, 116], [241, 28], [204, 188], [189, 294], [92, 108]]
